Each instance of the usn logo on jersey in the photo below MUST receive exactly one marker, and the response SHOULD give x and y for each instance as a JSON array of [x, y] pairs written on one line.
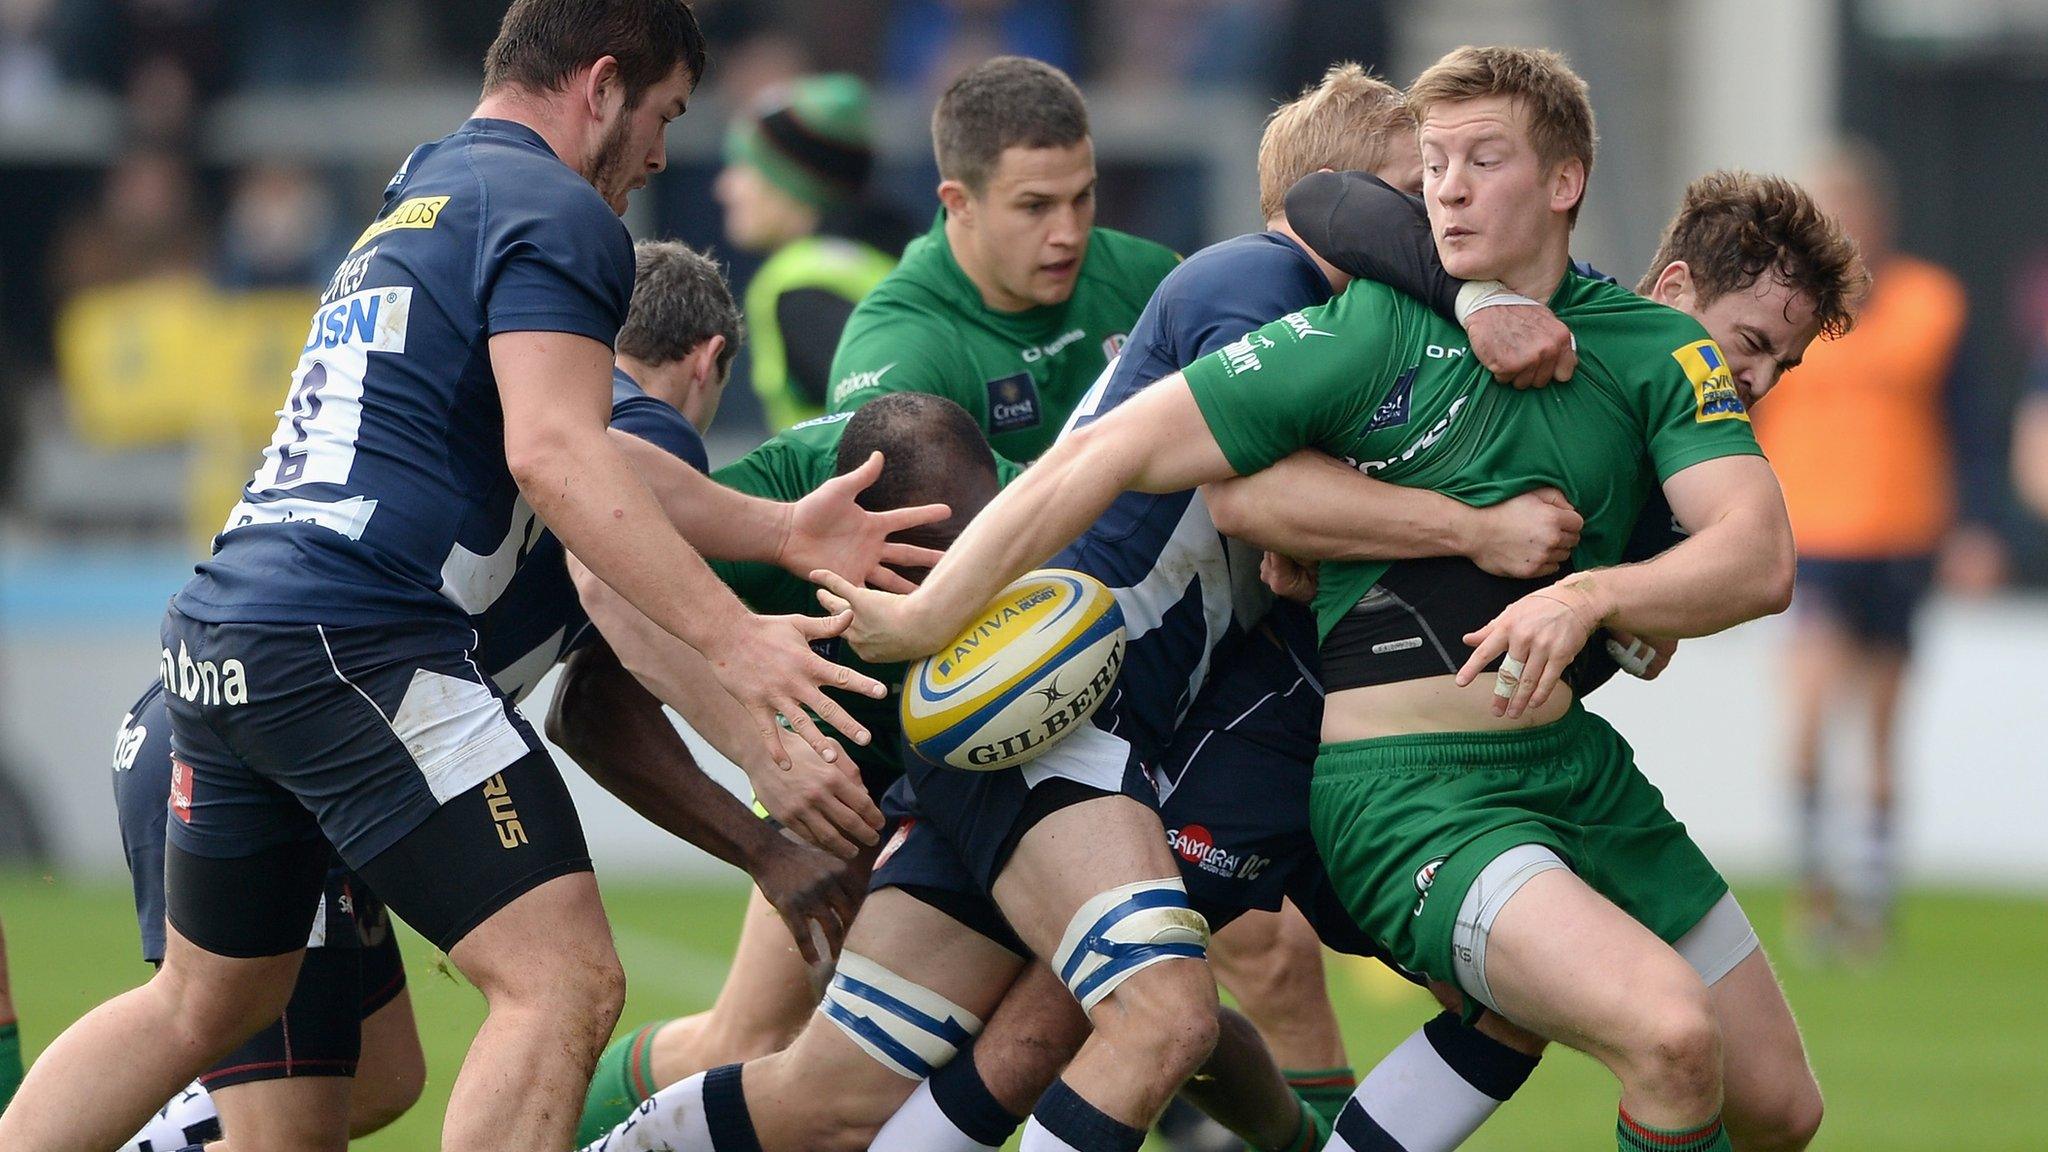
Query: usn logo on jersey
[[1713, 388]]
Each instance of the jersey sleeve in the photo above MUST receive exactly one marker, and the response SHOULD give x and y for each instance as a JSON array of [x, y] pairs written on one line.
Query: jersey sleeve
[[1303, 380], [1006, 470], [662, 426], [885, 350], [1367, 228], [564, 266], [1694, 411]]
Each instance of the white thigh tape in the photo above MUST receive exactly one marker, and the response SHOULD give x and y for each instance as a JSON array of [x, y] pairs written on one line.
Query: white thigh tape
[[1124, 930], [909, 1029]]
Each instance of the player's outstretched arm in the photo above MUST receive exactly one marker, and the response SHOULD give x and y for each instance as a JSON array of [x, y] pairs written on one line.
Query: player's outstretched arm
[[1155, 442], [1736, 565], [555, 390], [826, 529], [1312, 506], [616, 731], [820, 797]]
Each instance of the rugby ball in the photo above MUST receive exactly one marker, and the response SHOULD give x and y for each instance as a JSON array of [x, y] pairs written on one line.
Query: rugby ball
[[1030, 669]]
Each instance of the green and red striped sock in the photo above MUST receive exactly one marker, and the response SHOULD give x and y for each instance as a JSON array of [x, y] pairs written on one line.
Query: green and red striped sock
[[1631, 1135]]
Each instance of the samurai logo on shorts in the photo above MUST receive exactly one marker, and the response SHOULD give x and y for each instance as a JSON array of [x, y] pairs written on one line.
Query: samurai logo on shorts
[[1425, 876], [181, 790]]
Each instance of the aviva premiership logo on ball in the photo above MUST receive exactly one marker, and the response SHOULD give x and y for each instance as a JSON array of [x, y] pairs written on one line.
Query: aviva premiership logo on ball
[[1031, 667]]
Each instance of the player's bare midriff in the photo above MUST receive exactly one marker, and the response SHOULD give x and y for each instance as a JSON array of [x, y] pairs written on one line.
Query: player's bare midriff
[[1429, 704]]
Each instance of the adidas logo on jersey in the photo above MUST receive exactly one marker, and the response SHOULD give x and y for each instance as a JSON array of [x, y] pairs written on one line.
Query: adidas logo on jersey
[[203, 681]]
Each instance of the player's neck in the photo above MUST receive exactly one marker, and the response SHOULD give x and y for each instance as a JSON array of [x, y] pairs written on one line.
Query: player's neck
[[509, 103], [1338, 279], [1537, 275], [665, 382], [993, 296]]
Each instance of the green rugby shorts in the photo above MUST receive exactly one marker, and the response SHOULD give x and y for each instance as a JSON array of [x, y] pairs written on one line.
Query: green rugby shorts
[[1405, 824]]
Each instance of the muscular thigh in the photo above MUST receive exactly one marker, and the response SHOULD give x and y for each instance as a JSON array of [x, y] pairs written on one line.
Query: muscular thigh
[[1071, 856]]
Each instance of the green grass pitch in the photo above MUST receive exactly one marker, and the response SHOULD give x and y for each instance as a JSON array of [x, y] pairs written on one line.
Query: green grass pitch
[[1943, 1045]]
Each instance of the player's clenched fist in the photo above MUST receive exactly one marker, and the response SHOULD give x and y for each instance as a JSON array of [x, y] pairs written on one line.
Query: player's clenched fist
[[1528, 536], [1535, 638], [1525, 345], [766, 662]]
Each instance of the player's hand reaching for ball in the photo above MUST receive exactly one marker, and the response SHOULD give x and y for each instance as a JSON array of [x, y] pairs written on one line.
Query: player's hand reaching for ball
[[1525, 345], [767, 663], [809, 887], [1536, 638], [829, 529], [886, 627], [821, 801], [1527, 536]]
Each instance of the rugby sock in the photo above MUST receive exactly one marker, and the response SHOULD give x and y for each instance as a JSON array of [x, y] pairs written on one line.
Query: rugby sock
[[1633, 1136], [1063, 1122], [1431, 1093], [1882, 867], [951, 1111], [10, 1061], [187, 1118], [1323, 1089], [701, 1113], [1313, 1133], [624, 1077]]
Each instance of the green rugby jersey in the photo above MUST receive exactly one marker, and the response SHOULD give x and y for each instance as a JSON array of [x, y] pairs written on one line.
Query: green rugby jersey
[[788, 467], [1378, 380], [925, 329]]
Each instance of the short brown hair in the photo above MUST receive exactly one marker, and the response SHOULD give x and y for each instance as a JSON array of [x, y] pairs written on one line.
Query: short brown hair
[[680, 300], [1551, 95], [1351, 120], [1733, 228], [1001, 103], [541, 42]]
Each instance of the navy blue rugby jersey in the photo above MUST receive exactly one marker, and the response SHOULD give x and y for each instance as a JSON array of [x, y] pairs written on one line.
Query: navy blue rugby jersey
[[538, 620], [384, 495], [1183, 587]]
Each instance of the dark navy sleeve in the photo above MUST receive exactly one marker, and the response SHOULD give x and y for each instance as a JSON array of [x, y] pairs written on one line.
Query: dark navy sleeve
[[1218, 302], [662, 426], [555, 260], [1366, 227]]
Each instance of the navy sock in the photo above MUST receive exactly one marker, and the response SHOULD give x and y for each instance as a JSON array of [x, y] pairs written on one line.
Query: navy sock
[[725, 1111], [960, 1093]]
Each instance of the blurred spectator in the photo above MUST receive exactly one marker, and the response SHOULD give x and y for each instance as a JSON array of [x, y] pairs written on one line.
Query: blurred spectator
[[2030, 437], [794, 185], [1321, 31], [108, 42], [1185, 43], [930, 42], [281, 230], [28, 59], [757, 48], [1862, 442], [144, 225]]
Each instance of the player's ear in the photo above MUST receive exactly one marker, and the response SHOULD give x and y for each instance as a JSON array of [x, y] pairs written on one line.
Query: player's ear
[[1567, 186], [601, 85], [1674, 286], [953, 194]]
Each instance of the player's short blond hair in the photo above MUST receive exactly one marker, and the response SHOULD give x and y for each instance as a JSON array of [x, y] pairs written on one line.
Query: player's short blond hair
[[1551, 95], [1351, 120]]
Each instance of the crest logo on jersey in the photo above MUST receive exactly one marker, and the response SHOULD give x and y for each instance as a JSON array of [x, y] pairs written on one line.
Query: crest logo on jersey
[[1713, 386], [859, 382], [1012, 403], [417, 212], [1242, 356], [1393, 411]]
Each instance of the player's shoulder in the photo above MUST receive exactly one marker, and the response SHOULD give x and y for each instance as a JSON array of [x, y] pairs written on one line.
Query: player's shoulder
[[791, 463], [656, 421], [1124, 260], [525, 184], [1255, 257], [1607, 314]]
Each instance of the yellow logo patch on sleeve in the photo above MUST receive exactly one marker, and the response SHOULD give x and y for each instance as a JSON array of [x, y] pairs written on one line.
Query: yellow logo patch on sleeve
[[1713, 387], [418, 212]]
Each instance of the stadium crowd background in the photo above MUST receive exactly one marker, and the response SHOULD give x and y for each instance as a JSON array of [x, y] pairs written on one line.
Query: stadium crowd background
[[177, 178]]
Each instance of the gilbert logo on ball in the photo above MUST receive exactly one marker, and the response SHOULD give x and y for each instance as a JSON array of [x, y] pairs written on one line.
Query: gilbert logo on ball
[[1031, 668]]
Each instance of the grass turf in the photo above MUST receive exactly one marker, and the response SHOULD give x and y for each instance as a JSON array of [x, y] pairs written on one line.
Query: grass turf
[[1937, 1047]]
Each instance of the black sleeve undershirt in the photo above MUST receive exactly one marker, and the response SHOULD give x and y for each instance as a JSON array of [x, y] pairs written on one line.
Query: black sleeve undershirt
[[1369, 229], [810, 320]]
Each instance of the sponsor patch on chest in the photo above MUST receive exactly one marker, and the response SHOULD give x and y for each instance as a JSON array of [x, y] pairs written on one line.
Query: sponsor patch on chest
[[1013, 404]]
